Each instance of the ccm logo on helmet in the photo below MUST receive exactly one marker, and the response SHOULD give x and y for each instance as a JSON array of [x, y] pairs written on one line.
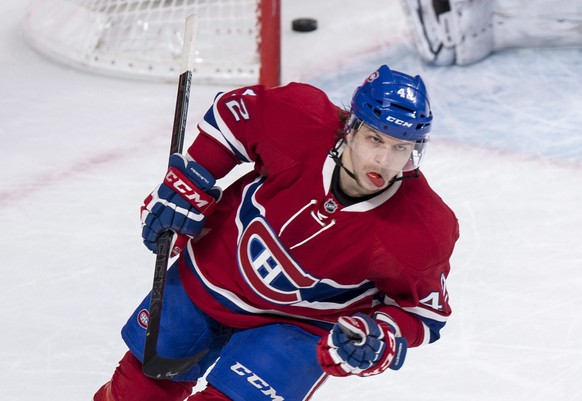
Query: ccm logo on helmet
[[398, 121]]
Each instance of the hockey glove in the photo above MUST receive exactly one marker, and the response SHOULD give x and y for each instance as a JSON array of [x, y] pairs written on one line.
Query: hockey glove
[[181, 203], [360, 345]]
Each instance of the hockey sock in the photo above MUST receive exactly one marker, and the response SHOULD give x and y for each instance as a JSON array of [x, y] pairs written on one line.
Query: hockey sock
[[130, 384]]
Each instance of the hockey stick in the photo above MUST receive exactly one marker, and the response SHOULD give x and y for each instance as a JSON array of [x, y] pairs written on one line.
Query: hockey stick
[[154, 365]]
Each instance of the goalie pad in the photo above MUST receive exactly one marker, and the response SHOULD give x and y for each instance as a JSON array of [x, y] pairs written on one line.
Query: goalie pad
[[520, 23], [450, 32]]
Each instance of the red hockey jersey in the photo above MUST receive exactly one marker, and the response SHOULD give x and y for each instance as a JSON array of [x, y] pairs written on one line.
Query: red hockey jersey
[[281, 248]]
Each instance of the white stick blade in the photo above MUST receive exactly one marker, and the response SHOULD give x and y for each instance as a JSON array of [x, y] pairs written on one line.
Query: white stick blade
[[189, 49]]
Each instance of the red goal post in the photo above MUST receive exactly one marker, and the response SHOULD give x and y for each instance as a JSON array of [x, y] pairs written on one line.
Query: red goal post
[[238, 40]]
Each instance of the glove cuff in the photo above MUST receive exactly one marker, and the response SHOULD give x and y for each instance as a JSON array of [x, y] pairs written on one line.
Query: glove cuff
[[401, 345], [386, 319]]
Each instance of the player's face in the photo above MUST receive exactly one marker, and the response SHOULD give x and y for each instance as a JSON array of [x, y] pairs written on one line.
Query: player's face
[[374, 158]]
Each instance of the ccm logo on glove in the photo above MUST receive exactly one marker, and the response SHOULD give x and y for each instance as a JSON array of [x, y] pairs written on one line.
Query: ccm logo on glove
[[198, 198], [181, 203]]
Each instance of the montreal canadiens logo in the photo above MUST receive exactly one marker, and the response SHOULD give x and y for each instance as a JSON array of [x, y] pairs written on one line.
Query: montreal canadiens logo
[[143, 317], [268, 268], [373, 76]]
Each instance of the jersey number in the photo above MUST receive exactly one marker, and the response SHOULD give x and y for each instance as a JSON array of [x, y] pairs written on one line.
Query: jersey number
[[238, 109], [433, 300]]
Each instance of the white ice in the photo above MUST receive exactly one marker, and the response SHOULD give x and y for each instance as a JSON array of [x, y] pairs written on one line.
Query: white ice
[[79, 152]]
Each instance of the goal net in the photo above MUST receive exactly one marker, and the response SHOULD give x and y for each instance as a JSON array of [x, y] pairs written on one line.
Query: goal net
[[237, 42]]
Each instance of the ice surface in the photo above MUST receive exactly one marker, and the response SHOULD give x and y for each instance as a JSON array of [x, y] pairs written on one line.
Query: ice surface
[[78, 153]]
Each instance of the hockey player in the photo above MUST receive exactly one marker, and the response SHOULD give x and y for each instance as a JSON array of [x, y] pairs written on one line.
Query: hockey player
[[329, 258], [461, 32]]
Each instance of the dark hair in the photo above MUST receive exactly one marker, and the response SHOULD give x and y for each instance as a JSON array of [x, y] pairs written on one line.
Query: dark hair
[[343, 115]]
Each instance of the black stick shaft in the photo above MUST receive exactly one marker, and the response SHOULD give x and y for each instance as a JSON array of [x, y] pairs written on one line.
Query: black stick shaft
[[154, 365]]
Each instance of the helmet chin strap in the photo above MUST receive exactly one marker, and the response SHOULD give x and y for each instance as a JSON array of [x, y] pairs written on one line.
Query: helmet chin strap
[[336, 157], [406, 177]]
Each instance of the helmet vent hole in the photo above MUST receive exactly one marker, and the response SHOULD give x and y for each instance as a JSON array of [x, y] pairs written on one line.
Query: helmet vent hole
[[399, 106]]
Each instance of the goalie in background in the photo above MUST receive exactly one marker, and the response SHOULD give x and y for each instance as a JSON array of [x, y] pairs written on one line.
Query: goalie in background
[[461, 32]]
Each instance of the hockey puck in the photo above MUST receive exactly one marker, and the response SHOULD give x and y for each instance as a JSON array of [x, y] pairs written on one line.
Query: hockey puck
[[304, 24]]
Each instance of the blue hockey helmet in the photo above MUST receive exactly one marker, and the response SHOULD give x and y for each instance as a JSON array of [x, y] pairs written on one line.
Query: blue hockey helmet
[[394, 104]]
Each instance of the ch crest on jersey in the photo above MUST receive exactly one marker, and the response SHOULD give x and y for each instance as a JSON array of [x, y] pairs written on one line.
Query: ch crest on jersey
[[268, 268]]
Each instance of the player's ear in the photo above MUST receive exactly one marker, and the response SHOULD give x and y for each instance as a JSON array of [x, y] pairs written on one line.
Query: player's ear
[[349, 134]]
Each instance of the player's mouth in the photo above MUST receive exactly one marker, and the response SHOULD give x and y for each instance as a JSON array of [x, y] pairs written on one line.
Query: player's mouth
[[376, 179]]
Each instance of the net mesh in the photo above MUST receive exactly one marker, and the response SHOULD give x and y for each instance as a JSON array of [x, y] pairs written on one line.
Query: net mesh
[[143, 38]]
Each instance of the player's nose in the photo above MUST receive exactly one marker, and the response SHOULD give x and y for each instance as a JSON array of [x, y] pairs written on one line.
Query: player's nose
[[382, 156]]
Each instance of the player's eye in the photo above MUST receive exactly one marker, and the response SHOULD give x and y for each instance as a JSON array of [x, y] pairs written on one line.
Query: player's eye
[[375, 139], [402, 147]]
